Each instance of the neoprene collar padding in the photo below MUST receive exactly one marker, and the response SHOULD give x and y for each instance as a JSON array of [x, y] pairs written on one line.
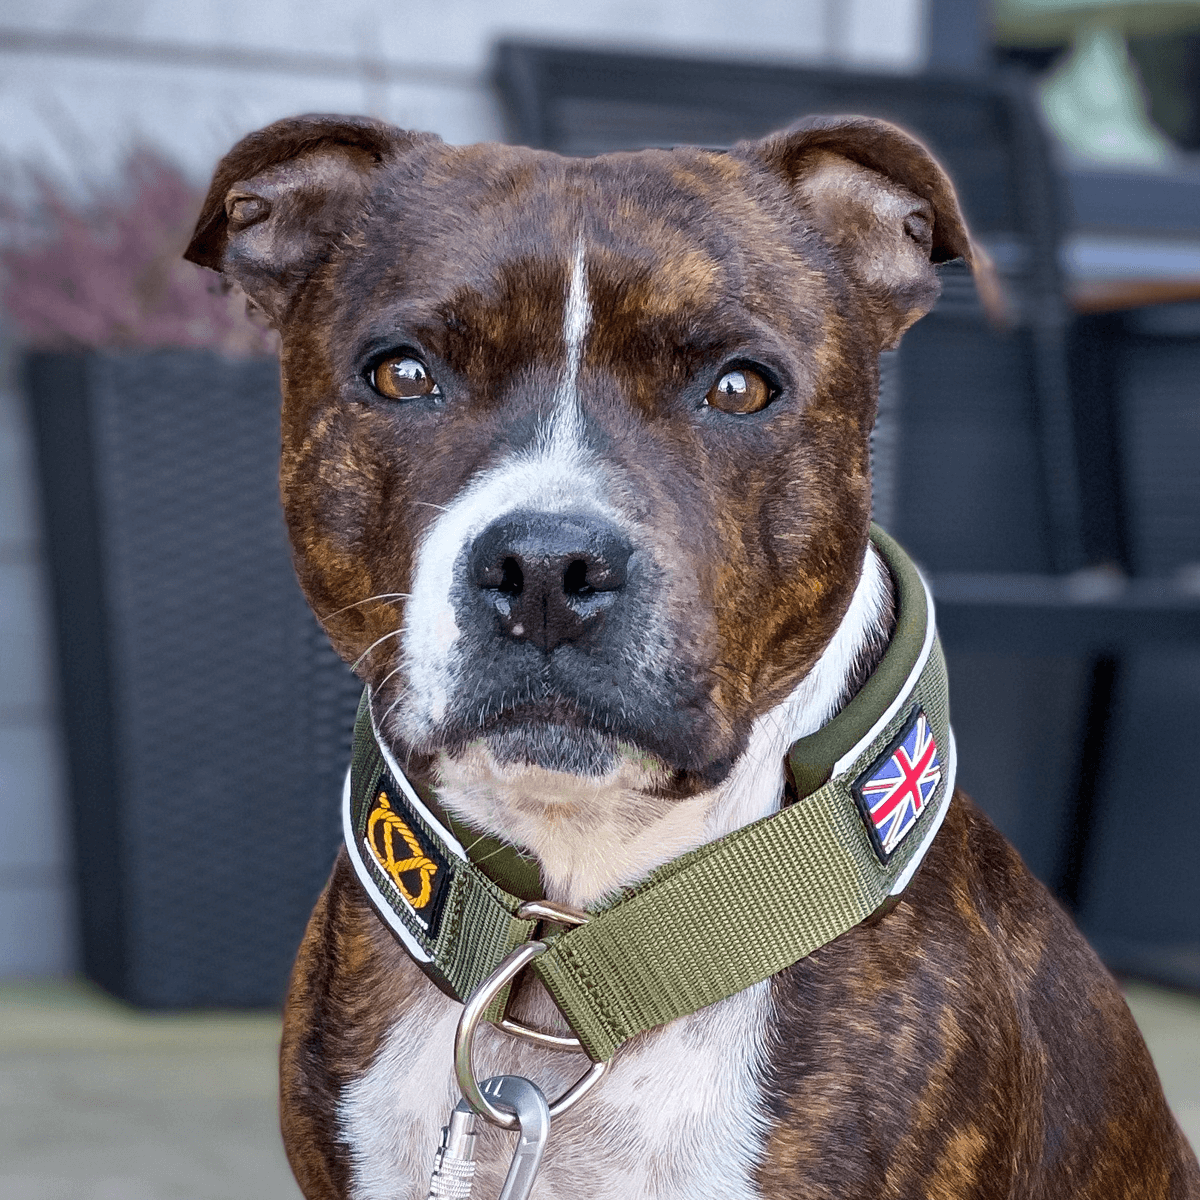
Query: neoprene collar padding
[[713, 921]]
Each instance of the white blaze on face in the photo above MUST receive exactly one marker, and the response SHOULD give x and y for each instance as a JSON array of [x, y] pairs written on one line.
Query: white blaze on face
[[565, 426], [556, 473], [576, 319]]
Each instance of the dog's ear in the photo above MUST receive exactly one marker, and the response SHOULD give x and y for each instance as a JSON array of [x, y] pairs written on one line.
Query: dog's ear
[[879, 196], [282, 196]]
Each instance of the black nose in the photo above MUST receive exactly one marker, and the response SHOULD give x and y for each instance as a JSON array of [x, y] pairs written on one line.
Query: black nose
[[549, 578]]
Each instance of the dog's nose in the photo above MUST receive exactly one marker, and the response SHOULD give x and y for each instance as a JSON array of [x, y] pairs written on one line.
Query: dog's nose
[[550, 578]]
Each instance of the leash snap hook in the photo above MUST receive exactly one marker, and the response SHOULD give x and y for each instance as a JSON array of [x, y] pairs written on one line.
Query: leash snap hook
[[454, 1167], [468, 1025]]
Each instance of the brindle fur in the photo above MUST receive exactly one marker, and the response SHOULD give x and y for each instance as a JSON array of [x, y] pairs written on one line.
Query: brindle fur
[[937, 1053], [968, 1044]]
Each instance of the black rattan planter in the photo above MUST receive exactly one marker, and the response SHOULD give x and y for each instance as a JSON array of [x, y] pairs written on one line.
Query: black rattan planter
[[207, 719]]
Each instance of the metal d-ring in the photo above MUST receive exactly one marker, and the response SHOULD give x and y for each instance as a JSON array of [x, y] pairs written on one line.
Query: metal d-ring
[[559, 914], [464, 1043], [551, 910]]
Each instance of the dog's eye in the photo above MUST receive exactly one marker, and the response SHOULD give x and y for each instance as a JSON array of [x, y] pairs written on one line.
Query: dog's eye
[[740, 391], [403, 378]]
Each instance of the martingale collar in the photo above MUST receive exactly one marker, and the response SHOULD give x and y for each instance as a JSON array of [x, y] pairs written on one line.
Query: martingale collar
[[872, 789]]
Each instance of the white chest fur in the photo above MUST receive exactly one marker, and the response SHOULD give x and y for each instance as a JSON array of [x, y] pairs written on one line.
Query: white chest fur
[[677, 1116]]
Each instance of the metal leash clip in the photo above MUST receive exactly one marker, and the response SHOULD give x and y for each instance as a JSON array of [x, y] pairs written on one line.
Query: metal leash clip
[[454, 1167], [509, 1101], [454, 1170]]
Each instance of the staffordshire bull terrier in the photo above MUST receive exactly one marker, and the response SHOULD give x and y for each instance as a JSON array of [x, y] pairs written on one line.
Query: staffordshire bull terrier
[[576, 474]]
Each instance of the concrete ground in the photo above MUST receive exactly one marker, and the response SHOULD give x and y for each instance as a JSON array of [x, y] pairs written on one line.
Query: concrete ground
[[99, 1102]]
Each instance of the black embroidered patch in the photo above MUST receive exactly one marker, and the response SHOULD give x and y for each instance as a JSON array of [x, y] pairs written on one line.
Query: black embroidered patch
[[412, 865]]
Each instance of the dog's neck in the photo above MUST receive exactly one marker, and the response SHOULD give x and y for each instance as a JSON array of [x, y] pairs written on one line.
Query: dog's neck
[[592, 836]]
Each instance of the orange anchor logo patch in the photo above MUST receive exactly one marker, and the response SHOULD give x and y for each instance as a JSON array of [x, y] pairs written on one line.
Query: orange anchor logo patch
[[385, 828]]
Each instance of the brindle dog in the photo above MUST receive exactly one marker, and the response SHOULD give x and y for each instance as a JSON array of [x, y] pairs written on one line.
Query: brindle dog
[[661, 366]]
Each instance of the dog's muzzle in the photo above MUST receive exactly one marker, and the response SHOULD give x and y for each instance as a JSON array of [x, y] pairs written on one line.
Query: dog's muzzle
[[564, 655]]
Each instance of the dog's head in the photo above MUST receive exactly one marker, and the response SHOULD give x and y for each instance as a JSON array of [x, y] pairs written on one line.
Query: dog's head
[[575, 451]]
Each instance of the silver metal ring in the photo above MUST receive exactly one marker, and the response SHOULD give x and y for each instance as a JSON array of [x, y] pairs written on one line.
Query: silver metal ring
[[464, 1043], [539, 1037], [550, 910], [560, 914]]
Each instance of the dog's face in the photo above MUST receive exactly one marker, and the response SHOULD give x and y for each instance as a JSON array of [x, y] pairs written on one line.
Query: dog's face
[[575, 452]]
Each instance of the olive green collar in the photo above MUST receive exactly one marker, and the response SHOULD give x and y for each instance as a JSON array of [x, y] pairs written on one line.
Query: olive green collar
[[872, 787]]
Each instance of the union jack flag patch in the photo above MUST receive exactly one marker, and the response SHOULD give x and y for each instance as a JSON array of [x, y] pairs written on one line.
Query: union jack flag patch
[[893, 791]]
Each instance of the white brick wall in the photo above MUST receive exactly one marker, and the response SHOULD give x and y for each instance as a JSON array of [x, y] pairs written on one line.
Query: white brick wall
[[80, 84]]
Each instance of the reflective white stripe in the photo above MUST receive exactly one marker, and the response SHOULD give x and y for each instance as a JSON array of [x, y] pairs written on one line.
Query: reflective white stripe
[[847, 760], [844, 763], [927, 841], [451, 842], [377, 898]]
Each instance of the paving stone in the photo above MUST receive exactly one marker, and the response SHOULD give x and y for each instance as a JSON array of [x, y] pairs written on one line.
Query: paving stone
[[98, 1102]]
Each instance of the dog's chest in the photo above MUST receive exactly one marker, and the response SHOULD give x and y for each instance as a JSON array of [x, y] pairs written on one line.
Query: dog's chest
[[678, 1116]]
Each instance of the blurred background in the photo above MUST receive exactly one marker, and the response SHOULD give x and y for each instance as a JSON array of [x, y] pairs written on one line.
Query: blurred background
[[173, 727]]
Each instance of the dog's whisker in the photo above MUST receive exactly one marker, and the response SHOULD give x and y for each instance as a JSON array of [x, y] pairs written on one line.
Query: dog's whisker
[[390, 709], [377, 642], [346, 608], [500, 849], [390, 675], [471, 846]]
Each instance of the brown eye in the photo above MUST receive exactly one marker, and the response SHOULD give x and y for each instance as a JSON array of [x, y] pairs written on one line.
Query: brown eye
[[740, 391], [403, 378]]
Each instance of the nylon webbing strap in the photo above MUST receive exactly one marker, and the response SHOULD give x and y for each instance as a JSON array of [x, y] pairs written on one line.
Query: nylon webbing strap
[[455, 922], [712, 922], [737, 911]]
